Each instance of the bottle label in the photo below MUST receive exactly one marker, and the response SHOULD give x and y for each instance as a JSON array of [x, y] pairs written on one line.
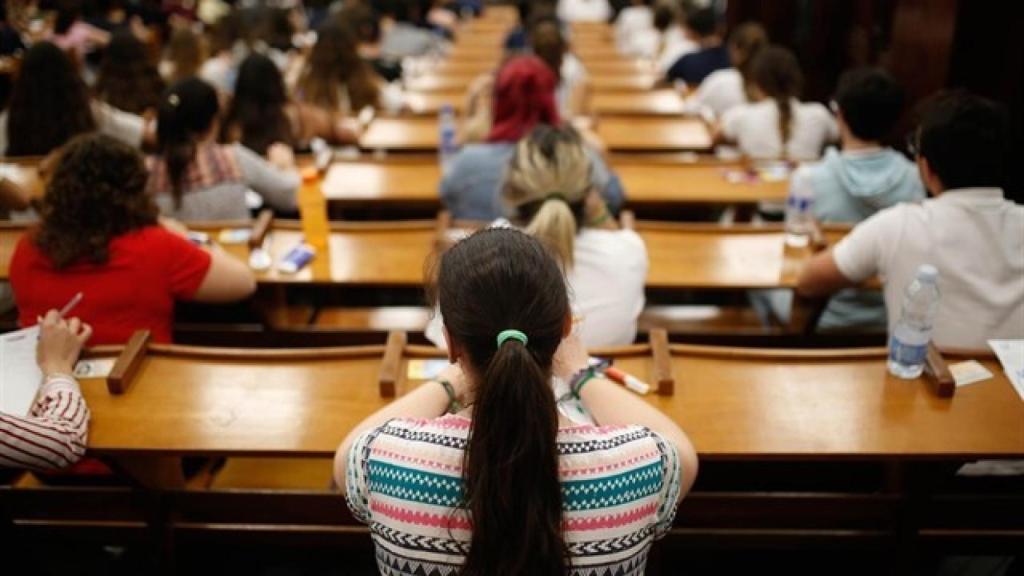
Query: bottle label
[[907, 354]]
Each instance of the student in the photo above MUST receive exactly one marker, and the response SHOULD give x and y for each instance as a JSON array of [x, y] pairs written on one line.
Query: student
[[194, 178], [127, 79], [671, 42], [50, 104], [634, 29], [260, 113], [967, 230], [54, 433], [725, 89], [74, 35], [401, 35], [775, 124], [100, 236], [524, 96], [584, 11], [497, 467], [548, 43], [702, 30], [183, 58]]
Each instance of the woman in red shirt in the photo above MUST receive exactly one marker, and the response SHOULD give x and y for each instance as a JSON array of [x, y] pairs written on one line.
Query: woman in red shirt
[[100, 235]]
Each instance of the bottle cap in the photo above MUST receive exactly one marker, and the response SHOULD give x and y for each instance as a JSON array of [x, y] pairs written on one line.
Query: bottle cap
[[927, 273]]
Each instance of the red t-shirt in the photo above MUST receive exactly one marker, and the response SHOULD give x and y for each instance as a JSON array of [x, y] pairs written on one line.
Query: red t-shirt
[[135, 289]]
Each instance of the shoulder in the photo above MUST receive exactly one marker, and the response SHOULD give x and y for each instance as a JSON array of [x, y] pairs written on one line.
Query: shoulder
[[611, 442], [622, 244]]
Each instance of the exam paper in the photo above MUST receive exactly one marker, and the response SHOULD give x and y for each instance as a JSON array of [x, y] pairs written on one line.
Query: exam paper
[[20, 376], [1011, 356]]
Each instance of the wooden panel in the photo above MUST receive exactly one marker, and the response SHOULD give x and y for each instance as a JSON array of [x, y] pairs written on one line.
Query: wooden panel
[[704, 183], [666, 102], [401, 134], [632, 134], [374, 183]]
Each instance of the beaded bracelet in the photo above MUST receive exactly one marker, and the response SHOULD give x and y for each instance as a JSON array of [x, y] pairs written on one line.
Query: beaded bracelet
[[580, 379], [454, 406]]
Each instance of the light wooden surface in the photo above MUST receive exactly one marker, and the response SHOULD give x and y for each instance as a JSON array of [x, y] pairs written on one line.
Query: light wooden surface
[[698, 183], [401, 134], [650, 134], [734, 403], [430, 103], [664, 102], [392, 182]]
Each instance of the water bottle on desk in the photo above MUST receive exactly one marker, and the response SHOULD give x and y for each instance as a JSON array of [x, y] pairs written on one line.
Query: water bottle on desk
[[447, 146], [908, 343], [799, 214]]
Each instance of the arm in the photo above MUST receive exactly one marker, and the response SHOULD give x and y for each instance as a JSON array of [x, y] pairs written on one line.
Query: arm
[[227, 280], [54, 434], [278, 187], [821, 277], [13, 196], [856, 258], [224, 277]]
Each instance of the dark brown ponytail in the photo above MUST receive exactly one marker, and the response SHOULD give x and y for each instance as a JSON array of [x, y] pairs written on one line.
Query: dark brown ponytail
[[776, 72], [186, 112], [496, 280]]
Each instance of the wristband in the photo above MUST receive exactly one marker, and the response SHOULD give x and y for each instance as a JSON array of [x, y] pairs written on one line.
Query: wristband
[[454, 406], [580, 379]]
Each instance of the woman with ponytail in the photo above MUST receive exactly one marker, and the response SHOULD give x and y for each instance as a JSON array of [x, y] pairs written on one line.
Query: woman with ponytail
[[725, 89], [194, 178], [477, 473], [775, 124]]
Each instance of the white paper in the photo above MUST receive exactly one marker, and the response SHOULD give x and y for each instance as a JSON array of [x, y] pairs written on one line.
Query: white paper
[[20, 376], [969, 372], [1011, 356]]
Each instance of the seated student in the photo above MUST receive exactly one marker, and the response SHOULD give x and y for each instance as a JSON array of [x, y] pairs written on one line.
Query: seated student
[[73, 34], [192, 177], [337, 83], [517, 40], [702, 29], [725, 89], [584, 10], [100, 236], [634, 29], [54, 433], [671, 42], [401, 34], [549, 194], [50, 103], [364, 25], [486, 443], [549, 44], [183, 57], [775, 124], [967, 230], [127, 79], [260, 113], [524, 96]]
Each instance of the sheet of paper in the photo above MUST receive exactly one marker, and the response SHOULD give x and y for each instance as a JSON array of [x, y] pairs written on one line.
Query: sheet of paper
[[20, 376], [1011, 356], [969, 372]]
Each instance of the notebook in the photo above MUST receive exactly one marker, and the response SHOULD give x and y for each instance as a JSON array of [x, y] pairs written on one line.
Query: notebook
[[20, 376]]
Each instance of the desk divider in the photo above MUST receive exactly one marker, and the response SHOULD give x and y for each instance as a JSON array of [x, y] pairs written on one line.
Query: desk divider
[[261, 227], [120, 378], [937, 373], [391, 365]]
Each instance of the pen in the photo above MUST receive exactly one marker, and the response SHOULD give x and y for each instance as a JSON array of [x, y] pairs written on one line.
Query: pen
[[627, 380]]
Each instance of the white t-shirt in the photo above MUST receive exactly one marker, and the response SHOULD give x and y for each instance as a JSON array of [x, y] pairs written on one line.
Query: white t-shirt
[[674, 45], [606, 288], [633, 30], [721, 91], [573, 74], [584, 10], [755, 129], [976, 240]]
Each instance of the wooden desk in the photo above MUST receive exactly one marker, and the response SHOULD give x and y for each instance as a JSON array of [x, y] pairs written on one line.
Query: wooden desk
[[392, 183], [405, 134], [663, 183], [639, 134], [430, 103], [665, 102]]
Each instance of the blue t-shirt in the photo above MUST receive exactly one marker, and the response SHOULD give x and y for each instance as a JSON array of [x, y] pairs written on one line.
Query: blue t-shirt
[[693, 68]]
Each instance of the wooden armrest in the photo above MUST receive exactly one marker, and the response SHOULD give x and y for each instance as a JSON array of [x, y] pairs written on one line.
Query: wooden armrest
[[937, 373]]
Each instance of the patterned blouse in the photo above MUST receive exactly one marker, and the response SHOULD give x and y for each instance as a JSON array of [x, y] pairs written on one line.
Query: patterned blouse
[[619, 489]]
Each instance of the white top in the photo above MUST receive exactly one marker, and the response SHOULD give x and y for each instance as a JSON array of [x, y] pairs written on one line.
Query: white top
[[634, 31], [755, 129], [976, 240], [118, 124], [584, 10], [572, 75], [606, 288], [721, 91], [673, 45]]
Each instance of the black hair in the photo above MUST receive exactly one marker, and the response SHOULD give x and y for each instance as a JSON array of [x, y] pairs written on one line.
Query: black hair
[[703, 22], [186, 112], [257, 109], [965, 140], [871, 102], [496, 280]]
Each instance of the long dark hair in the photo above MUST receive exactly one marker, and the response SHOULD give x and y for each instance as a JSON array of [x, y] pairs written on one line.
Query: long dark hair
[[257, 113], [335, 61], [186, 112], [744, 43], [128, 80], [495, 280], [49, 103], [96, 193], [776, 72]]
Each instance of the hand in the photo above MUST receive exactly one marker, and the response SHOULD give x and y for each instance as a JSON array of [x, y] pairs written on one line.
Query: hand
[[60, 342], [173, 226], [281, 155], [570, 358]]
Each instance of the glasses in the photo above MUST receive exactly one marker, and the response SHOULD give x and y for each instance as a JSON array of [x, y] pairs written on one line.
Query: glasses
[[913, 144]]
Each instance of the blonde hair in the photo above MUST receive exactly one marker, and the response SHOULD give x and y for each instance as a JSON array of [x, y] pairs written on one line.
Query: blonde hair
[[546, 184]]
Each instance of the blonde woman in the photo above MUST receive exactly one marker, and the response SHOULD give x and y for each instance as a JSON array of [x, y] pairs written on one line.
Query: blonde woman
[[548, 192]]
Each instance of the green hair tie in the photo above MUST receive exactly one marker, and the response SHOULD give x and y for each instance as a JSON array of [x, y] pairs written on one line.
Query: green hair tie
[[506, 335], [556, 196]]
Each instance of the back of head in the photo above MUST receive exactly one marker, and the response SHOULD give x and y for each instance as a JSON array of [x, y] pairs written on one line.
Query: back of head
[[702, 22], [776, 73], [184, 49], [548, 44], [68, 12], [498, 280], [127, 79], [965, 140], [186, 114], [524, 96], [744, 43], [361, 21], [335, 61], [870, 101], [666, 13], [49, 103], [257, 106], [546, 184], [97, 192]]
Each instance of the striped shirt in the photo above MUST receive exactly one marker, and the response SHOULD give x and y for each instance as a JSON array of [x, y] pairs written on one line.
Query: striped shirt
[[619, 489], [54, 434]]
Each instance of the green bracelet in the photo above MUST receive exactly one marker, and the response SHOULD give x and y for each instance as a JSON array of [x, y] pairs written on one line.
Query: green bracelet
[[581, 378], [601, 219], [454, 406]]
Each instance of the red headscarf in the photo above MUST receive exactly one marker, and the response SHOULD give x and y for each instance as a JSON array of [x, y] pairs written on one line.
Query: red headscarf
[[524, 96]]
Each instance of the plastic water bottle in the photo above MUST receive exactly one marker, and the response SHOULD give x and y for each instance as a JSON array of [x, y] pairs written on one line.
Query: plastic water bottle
[[908, 343], [447, 144], [799, 213]]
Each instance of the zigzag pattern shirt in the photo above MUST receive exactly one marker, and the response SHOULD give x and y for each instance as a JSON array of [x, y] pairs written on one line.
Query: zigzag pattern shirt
[[619, 488]]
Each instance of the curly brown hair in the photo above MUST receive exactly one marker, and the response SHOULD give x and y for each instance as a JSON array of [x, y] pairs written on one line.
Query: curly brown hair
[[97, 192]]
